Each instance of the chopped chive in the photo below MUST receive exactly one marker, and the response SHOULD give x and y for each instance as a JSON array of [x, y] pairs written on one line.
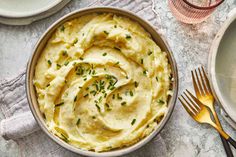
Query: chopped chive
[[87, 88], [81, 58], [99, 109], [119, 97], [78, 121], [66, 63], [160, 101], [147, 126], [141, 61], [65, 81], [126, 77], [75, 41], [113, 96], [80, 87], [93, 117], [123, 103], [86, 95], [105, 95], [115, 26], [133, 121], [117, 48], [85, 79], [64, 138], [104, 54], [75, 98], [64, 53], [145, 72], [112, 88], [59, 104], [106, 32], [136, 84], [107, 105], [49, 62], [58, 65], [82, 34], [62, 28], [131, 93], [117, 63], [48, 85], [149, 53], [127, 36], [157, 78]]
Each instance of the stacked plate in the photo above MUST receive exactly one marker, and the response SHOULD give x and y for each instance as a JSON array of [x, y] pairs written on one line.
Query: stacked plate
[[222, 68], [23, 12]]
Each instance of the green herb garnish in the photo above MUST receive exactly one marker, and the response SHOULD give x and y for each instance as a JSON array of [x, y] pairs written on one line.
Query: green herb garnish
[[66, 63], [136, 84], [133, 121], [127, 36], [64, 53], [117, 48], [106, 32], [117, 63], [75, 41], [157, 78], [160, 101], [99, 109], [64, 138], [145, 72], [78, 121], [49, 62], [62, 103], [81, 58], [58, 65], [48, 85], [123, 103], [86, 95], [104, 54], [131, 93], [149, 53], [141, 61], [115, 26]]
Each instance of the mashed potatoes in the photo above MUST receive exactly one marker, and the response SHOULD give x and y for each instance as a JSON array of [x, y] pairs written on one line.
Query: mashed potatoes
[[102, 82]]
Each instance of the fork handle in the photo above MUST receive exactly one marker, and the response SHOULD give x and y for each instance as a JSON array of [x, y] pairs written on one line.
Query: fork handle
[[231, 141], [227, 148]]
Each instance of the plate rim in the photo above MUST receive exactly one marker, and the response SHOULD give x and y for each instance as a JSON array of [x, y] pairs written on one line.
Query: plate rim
[[30, 13], [231, 17]]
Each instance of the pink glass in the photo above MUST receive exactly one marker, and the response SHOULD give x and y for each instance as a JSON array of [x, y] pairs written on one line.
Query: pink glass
[[193, 11]]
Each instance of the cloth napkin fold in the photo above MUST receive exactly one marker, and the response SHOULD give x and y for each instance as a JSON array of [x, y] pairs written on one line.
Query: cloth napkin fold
[[19, 124]]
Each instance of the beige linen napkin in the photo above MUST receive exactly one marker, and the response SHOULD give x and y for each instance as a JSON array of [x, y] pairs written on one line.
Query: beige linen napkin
[[20, 125]]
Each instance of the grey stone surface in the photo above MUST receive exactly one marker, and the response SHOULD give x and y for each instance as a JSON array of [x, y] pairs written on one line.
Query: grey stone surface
[[190, 45]]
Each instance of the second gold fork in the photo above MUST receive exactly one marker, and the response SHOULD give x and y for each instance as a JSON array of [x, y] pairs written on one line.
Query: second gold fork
[[204, 94]]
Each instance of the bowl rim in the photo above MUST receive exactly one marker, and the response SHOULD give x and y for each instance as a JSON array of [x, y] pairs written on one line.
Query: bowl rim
[[171, 103], [212, 65]]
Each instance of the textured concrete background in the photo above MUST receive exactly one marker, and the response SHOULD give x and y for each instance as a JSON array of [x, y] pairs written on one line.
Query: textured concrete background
[[190, 45]]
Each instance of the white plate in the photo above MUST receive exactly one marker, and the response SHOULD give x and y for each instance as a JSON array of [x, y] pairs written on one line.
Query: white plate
[[222, 66], [22, 12]]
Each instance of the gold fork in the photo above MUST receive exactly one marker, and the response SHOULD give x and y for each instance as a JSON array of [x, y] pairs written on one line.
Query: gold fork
[[201, 114], [204, 94]]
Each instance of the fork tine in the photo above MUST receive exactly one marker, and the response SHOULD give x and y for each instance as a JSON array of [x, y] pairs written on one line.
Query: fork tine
[[195, 85], [196, 107], [186, 107], [203, 82], [199, 83], [195, 99], [207, 80]]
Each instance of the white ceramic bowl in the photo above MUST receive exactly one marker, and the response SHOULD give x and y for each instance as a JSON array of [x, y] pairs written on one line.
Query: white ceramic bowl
[[222, 66], [31, 95]]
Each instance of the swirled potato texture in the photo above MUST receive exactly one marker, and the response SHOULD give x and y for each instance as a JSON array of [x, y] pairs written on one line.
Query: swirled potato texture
[[102, 83]]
